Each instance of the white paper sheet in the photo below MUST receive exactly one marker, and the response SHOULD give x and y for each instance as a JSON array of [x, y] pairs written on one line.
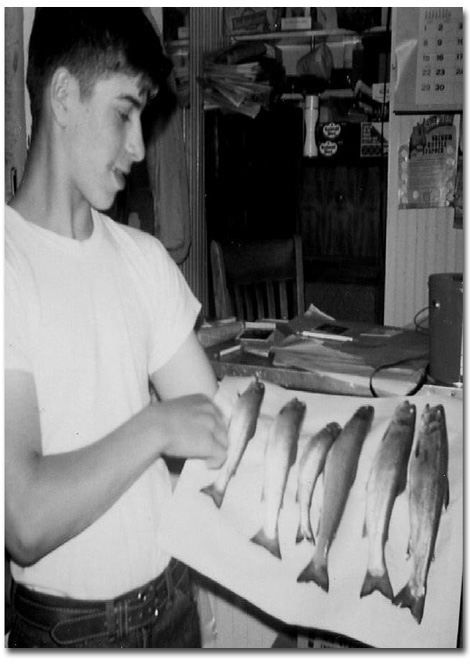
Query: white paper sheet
[[217, 542]]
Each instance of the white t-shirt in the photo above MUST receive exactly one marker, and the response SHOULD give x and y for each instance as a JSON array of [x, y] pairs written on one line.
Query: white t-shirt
[[91, 320]]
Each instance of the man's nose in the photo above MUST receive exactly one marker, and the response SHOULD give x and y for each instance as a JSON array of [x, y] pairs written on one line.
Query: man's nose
[[135, 143]]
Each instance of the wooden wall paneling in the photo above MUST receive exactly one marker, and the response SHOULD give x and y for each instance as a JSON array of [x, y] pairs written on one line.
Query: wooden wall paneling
[[418, 242]]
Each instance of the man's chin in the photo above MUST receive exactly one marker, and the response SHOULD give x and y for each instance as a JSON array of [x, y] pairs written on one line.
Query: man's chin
[[111, 207]]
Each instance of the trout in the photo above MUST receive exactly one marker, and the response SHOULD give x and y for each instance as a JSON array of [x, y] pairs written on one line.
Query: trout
[[241, 430], [387, 480], [428, 493], [311, 466], [339, 475], [281, 451]]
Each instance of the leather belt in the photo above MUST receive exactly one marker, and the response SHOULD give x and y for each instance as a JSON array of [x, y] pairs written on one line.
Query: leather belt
[[71, 621]]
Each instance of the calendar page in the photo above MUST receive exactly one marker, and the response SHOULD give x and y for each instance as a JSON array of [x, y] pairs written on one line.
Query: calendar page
[[439, 72], [428, 49]]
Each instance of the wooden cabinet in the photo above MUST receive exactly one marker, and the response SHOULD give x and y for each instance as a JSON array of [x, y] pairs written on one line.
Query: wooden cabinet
[[258, 184], [342, 223], [252, 173]]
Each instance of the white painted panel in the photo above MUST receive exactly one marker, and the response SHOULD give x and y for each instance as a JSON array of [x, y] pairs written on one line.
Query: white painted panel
[[419, 242]]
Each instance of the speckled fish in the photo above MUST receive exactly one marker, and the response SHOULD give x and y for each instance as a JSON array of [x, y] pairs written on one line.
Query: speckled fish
[[281, 452], [242, 428], [428, 493], [311, 466], [387, 480], [339, 475]]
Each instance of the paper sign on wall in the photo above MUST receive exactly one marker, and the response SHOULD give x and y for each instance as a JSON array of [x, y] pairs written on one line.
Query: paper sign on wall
[[427, 160]]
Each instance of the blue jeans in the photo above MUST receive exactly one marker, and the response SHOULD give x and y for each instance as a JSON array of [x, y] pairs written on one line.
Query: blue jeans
[[161, 614]]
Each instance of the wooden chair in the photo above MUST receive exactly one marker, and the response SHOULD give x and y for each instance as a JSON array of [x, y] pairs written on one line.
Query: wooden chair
[[259, 279]]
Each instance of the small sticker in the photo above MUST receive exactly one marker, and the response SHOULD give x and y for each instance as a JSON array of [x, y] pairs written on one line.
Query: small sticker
[[328, 149]]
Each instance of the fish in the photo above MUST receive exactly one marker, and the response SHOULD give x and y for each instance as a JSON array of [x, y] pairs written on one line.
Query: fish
[[242, 428], [387, 480], [311, 466], [428, 494], [339, 475], [280, 455]]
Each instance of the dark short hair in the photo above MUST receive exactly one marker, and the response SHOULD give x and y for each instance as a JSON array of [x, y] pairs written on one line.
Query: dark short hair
[[92, 43]]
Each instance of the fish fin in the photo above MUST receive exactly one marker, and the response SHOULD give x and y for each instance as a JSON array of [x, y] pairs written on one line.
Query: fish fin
[[408, 551], [269, 543], [414, 604], [316, 573], [380, 583], [447, 494], [402, 480], [216, 495]]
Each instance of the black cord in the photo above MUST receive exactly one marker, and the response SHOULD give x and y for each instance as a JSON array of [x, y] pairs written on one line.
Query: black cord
[[420, 328], [418, 385]]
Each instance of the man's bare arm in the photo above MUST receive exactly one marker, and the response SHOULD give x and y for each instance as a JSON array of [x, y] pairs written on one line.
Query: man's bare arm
[[49, 499]]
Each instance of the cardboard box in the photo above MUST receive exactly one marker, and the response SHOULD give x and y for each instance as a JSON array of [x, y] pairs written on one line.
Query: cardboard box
[[296, 23], [249, 20], [374, 139]]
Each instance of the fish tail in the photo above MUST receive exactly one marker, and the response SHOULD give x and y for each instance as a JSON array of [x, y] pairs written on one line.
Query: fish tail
[[381, 583], [406, 599], [317, 572], [269, 543], [216, 494], [304, 533]]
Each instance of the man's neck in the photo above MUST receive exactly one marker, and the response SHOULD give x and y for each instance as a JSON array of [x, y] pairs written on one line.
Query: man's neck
[[43, 199]]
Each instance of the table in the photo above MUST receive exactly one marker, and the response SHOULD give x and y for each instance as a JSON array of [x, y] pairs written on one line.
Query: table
[[229, 359], [237, 622], [217, 542]]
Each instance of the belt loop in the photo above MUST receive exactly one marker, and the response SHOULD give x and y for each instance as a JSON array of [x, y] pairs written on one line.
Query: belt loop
[[110, 617]]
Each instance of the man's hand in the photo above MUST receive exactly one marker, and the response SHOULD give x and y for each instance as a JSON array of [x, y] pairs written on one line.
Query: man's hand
[[193, 427]]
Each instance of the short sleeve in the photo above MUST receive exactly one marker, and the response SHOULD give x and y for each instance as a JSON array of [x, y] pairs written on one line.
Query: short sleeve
[[174, 306]]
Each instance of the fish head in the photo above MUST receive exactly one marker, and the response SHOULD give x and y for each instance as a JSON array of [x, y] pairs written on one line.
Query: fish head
[[405, 413], [365, 412], [334, 429]]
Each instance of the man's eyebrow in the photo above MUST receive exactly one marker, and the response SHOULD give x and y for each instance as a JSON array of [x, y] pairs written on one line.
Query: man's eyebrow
[[137, 103]]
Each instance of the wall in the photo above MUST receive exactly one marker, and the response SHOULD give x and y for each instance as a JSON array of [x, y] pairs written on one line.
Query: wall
[[419, 242]]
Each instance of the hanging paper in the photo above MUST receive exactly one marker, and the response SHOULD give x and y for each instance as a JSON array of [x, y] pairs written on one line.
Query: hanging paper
[[427, 160]]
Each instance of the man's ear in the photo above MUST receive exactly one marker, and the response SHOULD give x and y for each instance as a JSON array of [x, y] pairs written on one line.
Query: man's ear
[[63, 91]]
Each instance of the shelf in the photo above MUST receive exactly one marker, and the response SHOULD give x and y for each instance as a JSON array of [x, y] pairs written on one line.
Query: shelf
[[296, 35], [306, 36]]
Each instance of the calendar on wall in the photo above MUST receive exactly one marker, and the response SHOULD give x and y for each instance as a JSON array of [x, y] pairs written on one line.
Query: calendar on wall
[[429, 52]]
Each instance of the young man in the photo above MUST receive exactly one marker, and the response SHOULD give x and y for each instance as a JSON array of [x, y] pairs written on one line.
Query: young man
[[94, 310]]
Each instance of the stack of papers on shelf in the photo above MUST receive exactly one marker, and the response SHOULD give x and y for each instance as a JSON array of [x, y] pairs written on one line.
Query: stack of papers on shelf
[[240, 78], [234, 87]]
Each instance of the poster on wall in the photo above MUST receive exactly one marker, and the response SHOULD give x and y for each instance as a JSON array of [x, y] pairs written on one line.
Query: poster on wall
[[429, 54], [427, 160]]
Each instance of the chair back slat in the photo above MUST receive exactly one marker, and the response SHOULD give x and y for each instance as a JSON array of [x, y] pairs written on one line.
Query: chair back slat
[[271, 300], [248, 302], [261, 279], [283, 299], [238, 301], [259, 294]]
